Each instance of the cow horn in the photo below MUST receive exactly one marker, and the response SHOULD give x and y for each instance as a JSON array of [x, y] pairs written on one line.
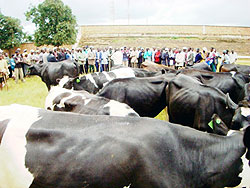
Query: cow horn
[[230, 104]]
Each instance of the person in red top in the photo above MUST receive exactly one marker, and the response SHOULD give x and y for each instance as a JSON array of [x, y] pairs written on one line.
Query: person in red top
[[158, 56]]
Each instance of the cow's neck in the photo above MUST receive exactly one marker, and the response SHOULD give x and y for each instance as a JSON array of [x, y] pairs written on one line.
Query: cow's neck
[[222, 156]]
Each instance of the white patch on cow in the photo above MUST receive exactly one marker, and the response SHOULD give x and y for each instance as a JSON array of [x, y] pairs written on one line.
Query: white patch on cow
[[230, 132], [119, 109], [245, 111], [86, 101], [63, 81], [245, 174], [107, 76], [123, 73], [13, 172], [53, 93], [233, 73], [127, 186], [91, 79]]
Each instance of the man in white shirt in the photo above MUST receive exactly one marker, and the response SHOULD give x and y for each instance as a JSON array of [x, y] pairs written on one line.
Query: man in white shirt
[[233, 57], [45, 55], [117, 57]]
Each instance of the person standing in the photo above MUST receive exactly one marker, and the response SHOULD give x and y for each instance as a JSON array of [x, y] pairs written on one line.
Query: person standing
[[98, 61], [141, 57], [164, 57], [198, 57], [190, 57], [110, 61], [45, 55], [104, 61], [51, 57], [4, 65], [91, 59], [125, 57], [117, 57], [180, 59], [133, 56], [81, 60], [157, 56], [233, 57], [32, 57], [18, 69], [225, 58]]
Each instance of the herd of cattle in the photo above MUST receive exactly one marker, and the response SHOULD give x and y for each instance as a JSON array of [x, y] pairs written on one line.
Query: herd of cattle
[[111, 140]]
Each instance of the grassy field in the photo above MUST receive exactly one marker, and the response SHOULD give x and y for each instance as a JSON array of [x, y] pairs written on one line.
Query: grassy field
[[33, 92]]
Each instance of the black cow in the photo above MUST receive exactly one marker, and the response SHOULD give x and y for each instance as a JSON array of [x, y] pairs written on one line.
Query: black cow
[[146, 96], [51, 72], [82, 102], [234, 67], [42, 148], [247, 92], [192, 103], [200, 66], [94, 82], [232, 83], [241, 117]]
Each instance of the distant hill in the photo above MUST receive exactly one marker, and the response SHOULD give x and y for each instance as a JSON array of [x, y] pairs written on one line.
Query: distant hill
[[222, 37]]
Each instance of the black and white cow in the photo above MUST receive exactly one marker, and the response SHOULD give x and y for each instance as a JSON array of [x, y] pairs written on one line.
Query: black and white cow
[[82, 102], [146, 96], [232, 83], [42, 148], [94, 82], [51, 72], [192, 103]]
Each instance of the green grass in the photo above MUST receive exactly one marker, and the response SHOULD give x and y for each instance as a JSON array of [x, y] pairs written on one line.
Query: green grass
[[32, 92]]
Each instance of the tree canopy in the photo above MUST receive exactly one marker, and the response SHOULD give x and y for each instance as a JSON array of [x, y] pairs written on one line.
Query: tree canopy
[[55, 23], [11, 33]]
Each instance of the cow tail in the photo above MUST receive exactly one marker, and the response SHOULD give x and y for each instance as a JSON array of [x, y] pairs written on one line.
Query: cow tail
[[77, 67]]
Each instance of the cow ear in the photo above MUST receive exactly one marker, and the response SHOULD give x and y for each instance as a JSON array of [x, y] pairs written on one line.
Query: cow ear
[[163, 71], [229, 103], [58, 80]]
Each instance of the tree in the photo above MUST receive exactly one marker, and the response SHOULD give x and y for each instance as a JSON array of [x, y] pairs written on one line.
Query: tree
[[11, 33], [55, 23]]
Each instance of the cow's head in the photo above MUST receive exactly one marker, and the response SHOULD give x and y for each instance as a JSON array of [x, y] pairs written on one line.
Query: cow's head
[[241, 118], [72, 83], [218, 126], [35, 69]]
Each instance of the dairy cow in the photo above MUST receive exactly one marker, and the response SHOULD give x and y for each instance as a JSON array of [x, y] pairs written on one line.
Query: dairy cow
[[192, 103], [42, 148], [200, 66], [232, 83], [234, 67], [146, 96], [82, 102], [51, 72], [94, 82]]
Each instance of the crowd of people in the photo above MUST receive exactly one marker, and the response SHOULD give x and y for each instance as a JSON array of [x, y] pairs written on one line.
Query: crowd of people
[[102, 59]]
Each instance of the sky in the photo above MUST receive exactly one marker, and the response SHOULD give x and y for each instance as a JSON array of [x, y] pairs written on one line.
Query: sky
[[143, 12]]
